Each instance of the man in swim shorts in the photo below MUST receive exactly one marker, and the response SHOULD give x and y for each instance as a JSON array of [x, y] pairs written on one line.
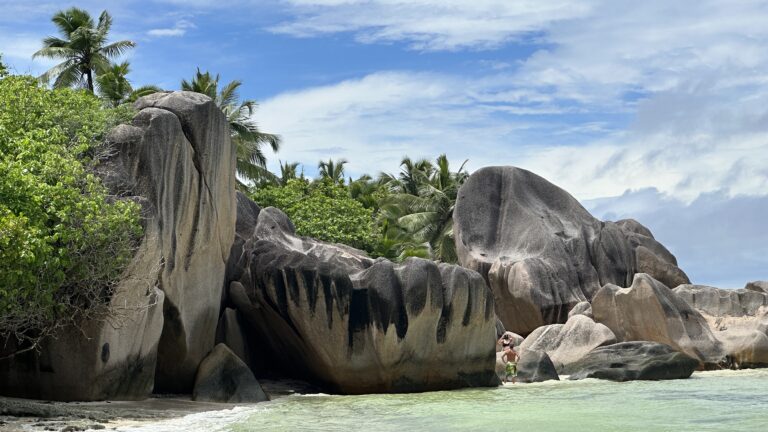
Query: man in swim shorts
[[510, 358]]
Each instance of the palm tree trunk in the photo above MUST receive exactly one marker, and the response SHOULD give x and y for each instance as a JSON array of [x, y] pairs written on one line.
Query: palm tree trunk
[[89, 75]]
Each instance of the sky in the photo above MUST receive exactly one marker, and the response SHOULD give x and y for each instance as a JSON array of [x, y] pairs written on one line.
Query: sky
[[656, 110]]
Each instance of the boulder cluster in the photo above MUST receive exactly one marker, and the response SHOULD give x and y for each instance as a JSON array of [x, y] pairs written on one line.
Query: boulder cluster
[[598, 299], [221, 291]]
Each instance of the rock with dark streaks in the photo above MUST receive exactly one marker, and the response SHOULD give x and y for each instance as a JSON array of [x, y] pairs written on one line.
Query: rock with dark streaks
[[330, 314]]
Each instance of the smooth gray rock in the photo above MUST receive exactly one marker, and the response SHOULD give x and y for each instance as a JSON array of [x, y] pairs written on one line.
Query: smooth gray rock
[[223, 377], [330, 314], [184, 164], [535, 366], [628, 361], [721, 302], [759, 286], [569, 342], [540, 250], [581, 308], [738, 318], [230, 333], [649, 311]]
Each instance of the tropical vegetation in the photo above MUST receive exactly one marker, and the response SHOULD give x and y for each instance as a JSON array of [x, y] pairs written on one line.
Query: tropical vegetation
[[83, 47], [64, 240], [409, 214]]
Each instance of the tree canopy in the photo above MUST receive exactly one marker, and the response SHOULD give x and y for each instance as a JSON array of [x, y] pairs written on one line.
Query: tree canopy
[[63, 240], [82, 46], [323, 210]]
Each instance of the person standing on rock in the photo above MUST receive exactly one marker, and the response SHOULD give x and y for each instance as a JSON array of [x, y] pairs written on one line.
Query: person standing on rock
[[510, 357]]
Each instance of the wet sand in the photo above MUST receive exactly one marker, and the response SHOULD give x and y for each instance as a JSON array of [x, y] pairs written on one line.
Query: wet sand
[[36, 415]]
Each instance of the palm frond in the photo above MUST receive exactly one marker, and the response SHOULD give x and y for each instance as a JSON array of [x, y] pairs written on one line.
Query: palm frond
[[117, 48]]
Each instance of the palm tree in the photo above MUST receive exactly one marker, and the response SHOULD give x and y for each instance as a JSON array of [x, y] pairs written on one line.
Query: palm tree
[[251, 162], [288, 171], [331, 170], [113, 86], [366, 191], [421, 223], [412, 176], [83, 47]]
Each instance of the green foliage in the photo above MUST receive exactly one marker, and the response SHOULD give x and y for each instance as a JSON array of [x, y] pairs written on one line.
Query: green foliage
[[115, 89], [63, 241], [332, 170], [322, 210], [417, 217]]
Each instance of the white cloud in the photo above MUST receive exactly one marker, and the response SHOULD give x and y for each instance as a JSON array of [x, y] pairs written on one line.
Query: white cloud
[[428, 24], [17, 49], [623, 95], [718, 240], [179, 29], [376, 120]]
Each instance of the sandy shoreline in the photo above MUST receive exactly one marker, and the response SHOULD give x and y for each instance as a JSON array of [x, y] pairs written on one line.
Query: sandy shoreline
[[36, 415]]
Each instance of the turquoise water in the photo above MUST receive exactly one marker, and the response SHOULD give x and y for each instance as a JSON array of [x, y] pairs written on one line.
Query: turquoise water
[[708, 401]]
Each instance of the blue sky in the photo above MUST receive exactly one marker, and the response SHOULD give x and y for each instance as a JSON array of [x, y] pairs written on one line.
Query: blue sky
[[656, 110]]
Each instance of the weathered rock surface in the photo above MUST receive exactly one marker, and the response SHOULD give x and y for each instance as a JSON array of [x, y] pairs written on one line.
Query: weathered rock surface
[[230, 332], [98, 361], [535, 366], [629, 361], [649, 311], [541, 251], [569, 342], [359, 325], [760, 286], [177, 160], [581, 308], [738, 318], [223, 377]]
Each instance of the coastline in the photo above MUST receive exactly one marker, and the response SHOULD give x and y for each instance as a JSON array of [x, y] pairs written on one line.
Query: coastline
[[18, 414], [181, 413]]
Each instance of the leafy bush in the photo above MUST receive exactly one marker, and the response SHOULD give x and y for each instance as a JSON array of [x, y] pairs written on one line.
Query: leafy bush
[[64, 241], [322, 210]]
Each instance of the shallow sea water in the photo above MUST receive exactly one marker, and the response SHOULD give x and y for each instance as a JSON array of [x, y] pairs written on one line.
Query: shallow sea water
[[708, 401]]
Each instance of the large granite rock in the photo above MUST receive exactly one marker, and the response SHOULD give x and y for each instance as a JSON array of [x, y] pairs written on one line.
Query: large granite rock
[[223, 377], [541, 251], [334, 316], [100, 360], [178, 155], [649, 311], [535, 366], [760, 286], [176, 159], [629, 361], [569, 342], [738, 318]]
